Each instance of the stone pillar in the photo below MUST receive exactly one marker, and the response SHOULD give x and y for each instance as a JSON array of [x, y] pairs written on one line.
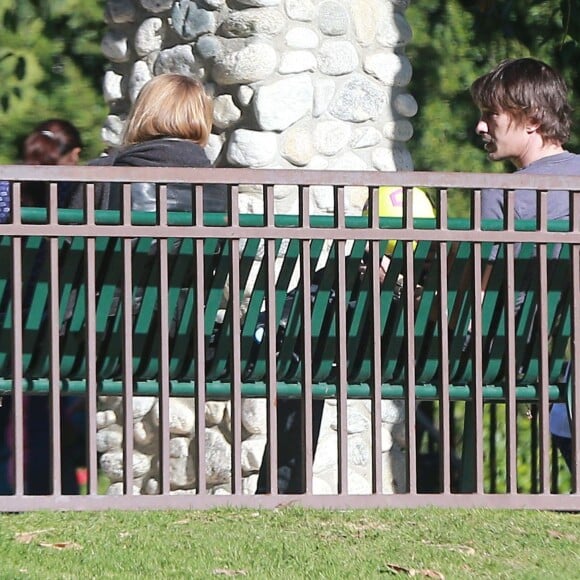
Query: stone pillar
[[297, 83], [312, 84]]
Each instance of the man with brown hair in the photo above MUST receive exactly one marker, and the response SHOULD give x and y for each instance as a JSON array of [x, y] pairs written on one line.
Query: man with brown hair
[[526, 118]]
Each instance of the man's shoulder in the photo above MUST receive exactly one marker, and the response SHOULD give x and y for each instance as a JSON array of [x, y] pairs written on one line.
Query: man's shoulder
[[572, 161], [565, 163]]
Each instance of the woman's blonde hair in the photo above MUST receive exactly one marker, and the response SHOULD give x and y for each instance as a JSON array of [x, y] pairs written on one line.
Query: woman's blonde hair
[[170, 105]]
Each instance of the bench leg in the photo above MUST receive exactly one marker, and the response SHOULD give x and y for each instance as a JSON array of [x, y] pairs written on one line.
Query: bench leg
[[466, 482]]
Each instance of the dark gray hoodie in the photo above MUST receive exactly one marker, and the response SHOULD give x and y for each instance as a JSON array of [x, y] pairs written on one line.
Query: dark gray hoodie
[[167, 152]]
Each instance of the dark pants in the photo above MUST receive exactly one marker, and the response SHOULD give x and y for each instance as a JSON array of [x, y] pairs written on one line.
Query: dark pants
[[290, 457], [5, 488], [37, 462], [564, 445]]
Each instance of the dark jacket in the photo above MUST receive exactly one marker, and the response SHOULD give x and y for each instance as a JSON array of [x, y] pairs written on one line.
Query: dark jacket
[[156, 153]]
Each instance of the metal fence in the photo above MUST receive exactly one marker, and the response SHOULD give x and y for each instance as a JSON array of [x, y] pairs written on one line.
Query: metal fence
[[99, 304]]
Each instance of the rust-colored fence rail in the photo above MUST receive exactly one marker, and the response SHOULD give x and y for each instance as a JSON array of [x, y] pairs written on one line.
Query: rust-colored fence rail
[[468, 325]]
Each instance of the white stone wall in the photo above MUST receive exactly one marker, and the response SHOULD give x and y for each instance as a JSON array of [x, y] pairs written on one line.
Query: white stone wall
[[297, 83], [218, 435], [312, 84]]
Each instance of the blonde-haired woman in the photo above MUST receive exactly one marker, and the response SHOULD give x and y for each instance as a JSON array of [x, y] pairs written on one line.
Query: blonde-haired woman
[[170, 105], [168, 126]]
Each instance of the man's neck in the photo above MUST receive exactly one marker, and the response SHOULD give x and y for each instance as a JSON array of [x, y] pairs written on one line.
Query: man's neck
[[533, 155]]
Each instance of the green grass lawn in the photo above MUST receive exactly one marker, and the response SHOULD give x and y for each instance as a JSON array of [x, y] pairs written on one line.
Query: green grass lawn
[[291, 543]]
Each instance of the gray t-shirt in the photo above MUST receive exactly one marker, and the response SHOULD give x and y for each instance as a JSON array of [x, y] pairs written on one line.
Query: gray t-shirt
[[492, 200], [492, 206]]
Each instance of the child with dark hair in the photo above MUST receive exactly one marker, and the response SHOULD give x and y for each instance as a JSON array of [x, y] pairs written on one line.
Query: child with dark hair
[[53, 142], [67, 136]]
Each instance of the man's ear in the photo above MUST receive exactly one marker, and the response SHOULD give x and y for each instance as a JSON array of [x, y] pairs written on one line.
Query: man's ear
[[531, 125]]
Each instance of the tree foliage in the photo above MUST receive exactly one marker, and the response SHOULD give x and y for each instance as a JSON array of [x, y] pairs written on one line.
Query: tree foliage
[[51, 66], [454, 42]]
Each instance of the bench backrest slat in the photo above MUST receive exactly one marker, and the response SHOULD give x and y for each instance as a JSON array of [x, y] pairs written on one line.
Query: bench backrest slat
[[182, 259]]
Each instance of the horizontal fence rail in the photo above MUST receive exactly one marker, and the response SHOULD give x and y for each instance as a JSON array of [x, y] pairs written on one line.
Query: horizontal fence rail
[[178, 358]]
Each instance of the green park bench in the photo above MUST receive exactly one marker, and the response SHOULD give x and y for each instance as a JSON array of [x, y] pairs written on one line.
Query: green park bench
[[347, 308]]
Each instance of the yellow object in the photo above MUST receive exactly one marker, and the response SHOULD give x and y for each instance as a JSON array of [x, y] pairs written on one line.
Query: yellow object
[[391, 204]]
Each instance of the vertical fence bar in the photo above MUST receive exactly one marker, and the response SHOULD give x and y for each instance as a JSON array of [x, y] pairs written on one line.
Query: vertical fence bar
[[18, 345], [544, 382], [163, 376], [376, 367], [54, 317], [199, 343], [91, 342], [411, 410], [510, 358], [305, 281], [574, 389], [127, 362], [236, 374], [271, 382], [444, 401], [341, 363], [476, 421]]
